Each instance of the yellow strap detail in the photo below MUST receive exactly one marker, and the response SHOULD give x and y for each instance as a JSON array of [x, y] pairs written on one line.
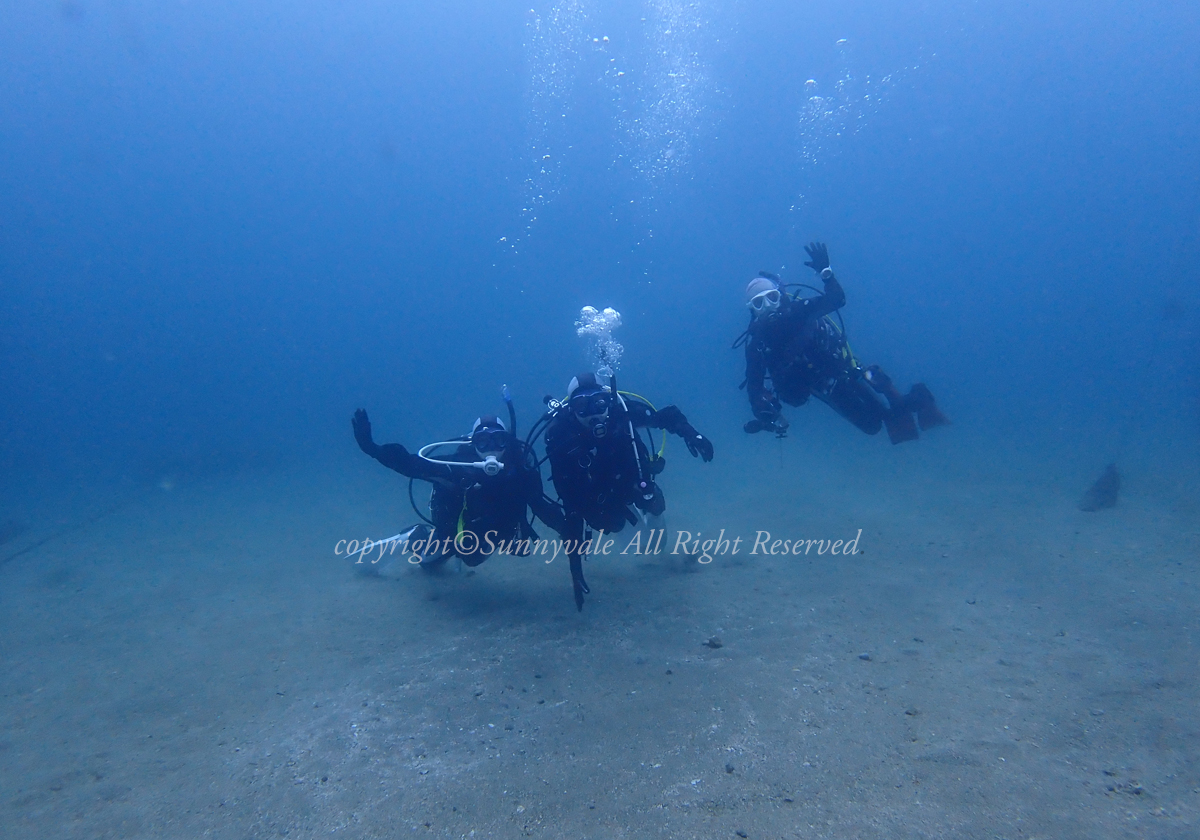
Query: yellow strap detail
[[847, 351], [662, 446]]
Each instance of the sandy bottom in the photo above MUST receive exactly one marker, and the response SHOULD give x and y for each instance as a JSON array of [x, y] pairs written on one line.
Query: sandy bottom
[[995, 664]]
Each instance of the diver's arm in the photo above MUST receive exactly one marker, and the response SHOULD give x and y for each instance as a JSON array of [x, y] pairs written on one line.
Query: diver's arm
[[543, 508], [565, 472], [828, 303], [673, 420], [394, 456], [638, 412], [834, 297]]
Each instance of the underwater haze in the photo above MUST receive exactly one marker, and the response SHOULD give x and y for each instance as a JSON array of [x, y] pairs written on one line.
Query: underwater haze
[[227, 226]]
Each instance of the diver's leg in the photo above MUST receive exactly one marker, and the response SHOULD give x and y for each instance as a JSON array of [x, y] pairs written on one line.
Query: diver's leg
[[919, 400], [645, 538], [473, 559], [899, 420], [658, 538], [853, 399], [434, 551], [397, 555]]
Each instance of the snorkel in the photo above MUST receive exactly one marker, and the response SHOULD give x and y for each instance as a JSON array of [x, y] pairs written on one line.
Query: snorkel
[[512, 412]]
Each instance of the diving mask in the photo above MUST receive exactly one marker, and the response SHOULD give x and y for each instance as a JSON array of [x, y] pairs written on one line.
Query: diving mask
[[765, 302]]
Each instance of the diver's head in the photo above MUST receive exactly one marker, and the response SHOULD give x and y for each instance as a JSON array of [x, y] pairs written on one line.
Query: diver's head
[[763, 297], [490, 437], [589, 403]]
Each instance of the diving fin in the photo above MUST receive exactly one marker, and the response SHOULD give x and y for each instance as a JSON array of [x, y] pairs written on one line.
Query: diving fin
[[920, 400], [901, 427], [899, 420]]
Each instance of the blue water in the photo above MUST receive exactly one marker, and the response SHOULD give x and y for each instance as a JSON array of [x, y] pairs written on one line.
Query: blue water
[[229, 224]]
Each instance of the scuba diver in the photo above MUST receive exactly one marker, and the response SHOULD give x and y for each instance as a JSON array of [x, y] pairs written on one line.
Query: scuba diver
[[599, 463], [794, 341], [487, 482]]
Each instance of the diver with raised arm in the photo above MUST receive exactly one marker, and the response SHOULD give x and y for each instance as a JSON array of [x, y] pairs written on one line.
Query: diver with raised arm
[[794, 342], [485, 482]]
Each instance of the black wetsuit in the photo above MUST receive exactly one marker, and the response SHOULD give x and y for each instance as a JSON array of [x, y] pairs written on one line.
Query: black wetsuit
[[806, 355], [599, 479], [465, 499]]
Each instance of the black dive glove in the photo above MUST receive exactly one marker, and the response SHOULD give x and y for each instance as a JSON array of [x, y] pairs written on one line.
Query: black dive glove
[[669, 417], [698, 444], [818, 256], [362, 433], [393, 455]]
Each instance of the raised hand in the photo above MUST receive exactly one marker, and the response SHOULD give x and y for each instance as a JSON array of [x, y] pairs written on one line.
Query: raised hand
[[818, 256], [361, 424]]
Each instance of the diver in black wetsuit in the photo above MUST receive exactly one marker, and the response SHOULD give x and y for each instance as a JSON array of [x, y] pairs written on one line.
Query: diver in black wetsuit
[[485, 486], [793, 340], [600, 465]]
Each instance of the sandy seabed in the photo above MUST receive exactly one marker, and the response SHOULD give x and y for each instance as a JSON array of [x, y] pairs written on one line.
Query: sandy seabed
[[995, 664]]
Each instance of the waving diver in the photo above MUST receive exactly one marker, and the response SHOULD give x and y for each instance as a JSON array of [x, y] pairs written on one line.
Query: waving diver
[[486, 483], [794, 341]]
